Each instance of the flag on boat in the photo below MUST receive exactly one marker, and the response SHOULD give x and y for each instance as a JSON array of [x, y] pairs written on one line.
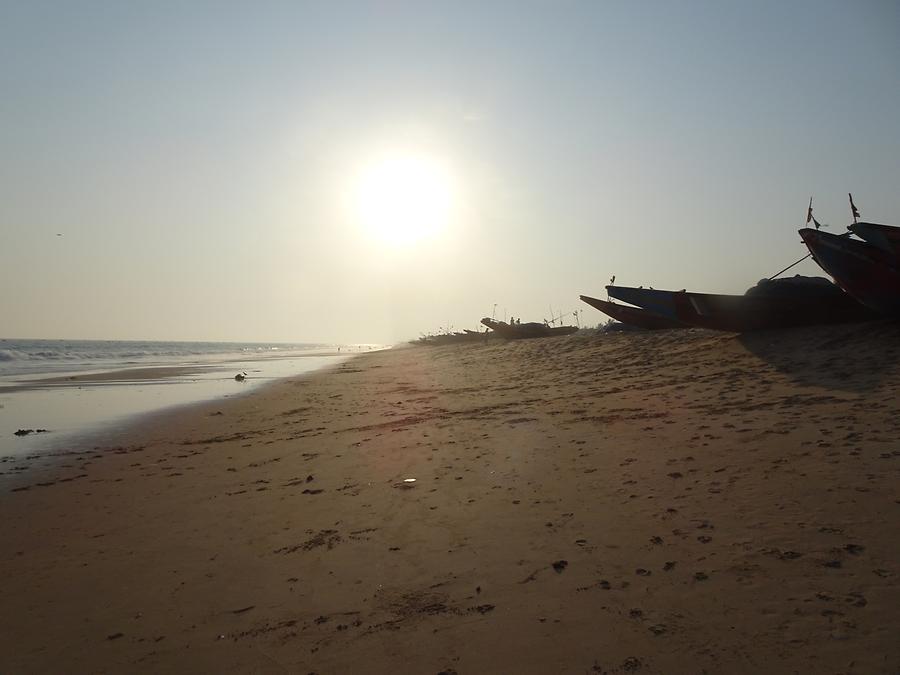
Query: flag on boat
[[853, 208], [811, 217]]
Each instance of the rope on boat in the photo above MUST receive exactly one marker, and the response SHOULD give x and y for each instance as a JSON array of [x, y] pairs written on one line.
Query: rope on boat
[[844, 234], [790, 266]]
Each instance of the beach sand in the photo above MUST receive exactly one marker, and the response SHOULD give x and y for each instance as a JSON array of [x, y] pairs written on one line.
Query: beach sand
[[670, 502]]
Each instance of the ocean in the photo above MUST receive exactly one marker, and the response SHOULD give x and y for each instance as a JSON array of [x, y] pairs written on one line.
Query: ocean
[[51, 385], [45, 357]]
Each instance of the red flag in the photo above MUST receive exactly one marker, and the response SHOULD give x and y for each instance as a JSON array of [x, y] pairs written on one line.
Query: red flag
[[853, 208], [809, 212]]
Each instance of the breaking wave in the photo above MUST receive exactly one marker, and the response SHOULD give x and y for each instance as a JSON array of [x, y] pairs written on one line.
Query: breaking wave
[[37, 356]]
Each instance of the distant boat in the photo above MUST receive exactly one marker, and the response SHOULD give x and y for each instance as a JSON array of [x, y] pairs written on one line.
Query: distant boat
[[865, 270], [633, 316], [441, 339], [520, 331], [783, 303], [885, 237]]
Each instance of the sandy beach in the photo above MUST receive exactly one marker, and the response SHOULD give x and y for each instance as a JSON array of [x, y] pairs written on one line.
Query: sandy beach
[[670, 502]]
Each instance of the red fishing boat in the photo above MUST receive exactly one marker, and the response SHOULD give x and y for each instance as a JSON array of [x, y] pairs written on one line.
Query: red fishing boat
[[866, 271]]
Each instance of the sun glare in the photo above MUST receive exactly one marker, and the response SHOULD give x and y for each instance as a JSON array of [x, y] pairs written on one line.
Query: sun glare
[[403, 199]]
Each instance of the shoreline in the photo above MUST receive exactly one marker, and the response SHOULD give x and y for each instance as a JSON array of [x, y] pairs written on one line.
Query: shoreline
[[661, 502], [99, 437], [81, 406], [116, 376], [111, 436], [152, 371]]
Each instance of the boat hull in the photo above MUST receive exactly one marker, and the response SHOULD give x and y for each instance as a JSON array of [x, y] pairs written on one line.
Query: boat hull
[[524, 331], [633, 316], [451, 338], [885, 237], [661, 303], [744, 313], [868, 273]]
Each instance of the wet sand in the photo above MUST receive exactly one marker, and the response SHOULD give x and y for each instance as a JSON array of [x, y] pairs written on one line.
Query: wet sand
[[122, 375], [671, 502]]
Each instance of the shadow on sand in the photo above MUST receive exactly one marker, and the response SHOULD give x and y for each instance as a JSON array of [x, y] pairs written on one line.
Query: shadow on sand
[[855, 357]]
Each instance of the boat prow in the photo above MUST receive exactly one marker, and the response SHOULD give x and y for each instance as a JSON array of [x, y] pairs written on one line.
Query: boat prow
[[864, 270], [633, 316], [885, 237]]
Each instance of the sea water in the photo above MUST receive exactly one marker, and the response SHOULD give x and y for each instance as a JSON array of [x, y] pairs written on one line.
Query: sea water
[[69, 410]]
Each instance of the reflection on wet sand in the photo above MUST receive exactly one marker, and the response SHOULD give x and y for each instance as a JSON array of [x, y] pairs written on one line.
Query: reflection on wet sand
[[71, 405]]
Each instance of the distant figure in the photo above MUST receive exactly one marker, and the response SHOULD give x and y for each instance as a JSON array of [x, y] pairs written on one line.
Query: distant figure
[[612, 280], [240, 377]]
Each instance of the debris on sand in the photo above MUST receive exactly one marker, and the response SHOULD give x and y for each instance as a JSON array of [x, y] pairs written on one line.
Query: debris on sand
[[25, 432]]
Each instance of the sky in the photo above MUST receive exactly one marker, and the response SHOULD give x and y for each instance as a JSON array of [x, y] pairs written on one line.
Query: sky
[[206, 163]]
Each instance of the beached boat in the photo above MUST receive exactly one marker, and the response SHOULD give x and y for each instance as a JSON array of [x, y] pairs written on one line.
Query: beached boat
[[661, 303], [441, 339], [633, 316], [520, 331], [781, 303], [885, 237], [866, 271]]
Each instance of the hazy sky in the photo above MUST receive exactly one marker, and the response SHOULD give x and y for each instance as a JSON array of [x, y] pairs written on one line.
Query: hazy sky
[[202, 160]]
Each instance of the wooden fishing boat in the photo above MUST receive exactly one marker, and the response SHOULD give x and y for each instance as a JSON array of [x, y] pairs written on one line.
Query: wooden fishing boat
[[660, 303], [520, 331], [633, 316], [885, 237], [771, 304], [864, 270], [441, 339]]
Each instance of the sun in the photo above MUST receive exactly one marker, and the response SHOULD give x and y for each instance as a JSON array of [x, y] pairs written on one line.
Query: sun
[[403, 199]]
